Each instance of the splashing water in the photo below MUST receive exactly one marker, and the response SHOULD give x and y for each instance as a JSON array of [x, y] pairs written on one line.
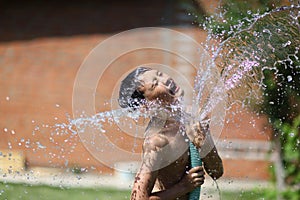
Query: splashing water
[[272, 38], [96, 121], [233, 75], [79, 125], [271, 41]]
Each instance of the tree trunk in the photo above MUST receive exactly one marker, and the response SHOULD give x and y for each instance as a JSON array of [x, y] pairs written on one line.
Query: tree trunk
[[279, 170]]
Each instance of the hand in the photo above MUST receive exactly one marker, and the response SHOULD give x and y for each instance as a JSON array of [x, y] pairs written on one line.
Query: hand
[[196, 132], [193, 178]]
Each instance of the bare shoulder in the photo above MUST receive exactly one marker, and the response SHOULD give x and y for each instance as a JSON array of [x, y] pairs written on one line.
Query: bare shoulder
[[155, 142]]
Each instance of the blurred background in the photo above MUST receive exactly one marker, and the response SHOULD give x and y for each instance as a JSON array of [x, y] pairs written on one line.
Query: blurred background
[[42, 46]]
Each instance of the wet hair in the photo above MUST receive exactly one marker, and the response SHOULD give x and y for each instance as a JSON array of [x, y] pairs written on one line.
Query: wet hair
[[129, 95]]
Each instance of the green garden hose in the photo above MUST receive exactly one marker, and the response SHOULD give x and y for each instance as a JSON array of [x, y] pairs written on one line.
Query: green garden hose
[[195, 161]]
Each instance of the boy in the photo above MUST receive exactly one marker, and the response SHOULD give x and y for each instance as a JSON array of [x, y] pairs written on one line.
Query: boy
[[166, 161]]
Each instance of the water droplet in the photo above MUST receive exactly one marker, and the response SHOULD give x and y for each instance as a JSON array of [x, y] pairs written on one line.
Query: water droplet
[[289, 78], [40, 146], [287, 44]]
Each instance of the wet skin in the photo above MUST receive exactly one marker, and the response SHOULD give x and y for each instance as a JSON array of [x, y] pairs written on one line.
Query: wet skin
[[165, 172], [158, 85]]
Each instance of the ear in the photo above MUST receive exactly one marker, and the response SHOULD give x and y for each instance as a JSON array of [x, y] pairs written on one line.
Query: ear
[[141, 88]]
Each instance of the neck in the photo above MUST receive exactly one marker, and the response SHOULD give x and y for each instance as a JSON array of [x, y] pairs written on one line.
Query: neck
[[170, 112]]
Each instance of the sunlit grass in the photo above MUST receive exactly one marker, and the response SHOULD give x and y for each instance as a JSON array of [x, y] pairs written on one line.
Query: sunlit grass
[[264, 194], [10, 191], [41, 192]]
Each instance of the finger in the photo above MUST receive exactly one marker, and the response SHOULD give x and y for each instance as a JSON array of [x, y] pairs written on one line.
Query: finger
[[198, 181], [201, 173], [196, 169], [198, 184], [195, 126], [197, 174]]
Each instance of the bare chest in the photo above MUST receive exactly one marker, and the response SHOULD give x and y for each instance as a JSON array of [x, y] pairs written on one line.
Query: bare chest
[[173, 173]]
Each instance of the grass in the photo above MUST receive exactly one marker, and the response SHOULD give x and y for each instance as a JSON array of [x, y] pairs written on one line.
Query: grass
[[9, 191], [247, 195], [27, 192]]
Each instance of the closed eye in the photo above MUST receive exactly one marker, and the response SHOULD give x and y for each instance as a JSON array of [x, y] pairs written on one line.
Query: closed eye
[[154, 83]]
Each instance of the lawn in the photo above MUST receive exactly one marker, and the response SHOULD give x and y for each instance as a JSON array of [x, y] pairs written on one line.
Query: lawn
[[41, 192]]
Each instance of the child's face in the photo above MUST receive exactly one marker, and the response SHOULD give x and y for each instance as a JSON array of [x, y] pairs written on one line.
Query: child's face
[[157, 85]]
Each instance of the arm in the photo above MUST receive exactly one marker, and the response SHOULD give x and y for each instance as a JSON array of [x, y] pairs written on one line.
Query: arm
[[201, 138], [193, 178], [212, 162], [145, 178], [144, 183]]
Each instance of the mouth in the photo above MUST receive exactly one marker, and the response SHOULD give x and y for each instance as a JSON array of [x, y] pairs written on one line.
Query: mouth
[[173, 88]]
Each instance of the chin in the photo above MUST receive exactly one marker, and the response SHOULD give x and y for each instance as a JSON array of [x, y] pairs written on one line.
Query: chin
[[178, 96], [180, 93]]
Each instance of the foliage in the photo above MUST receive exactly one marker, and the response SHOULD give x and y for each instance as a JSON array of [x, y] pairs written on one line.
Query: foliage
[[282, 105], [236, 15]]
